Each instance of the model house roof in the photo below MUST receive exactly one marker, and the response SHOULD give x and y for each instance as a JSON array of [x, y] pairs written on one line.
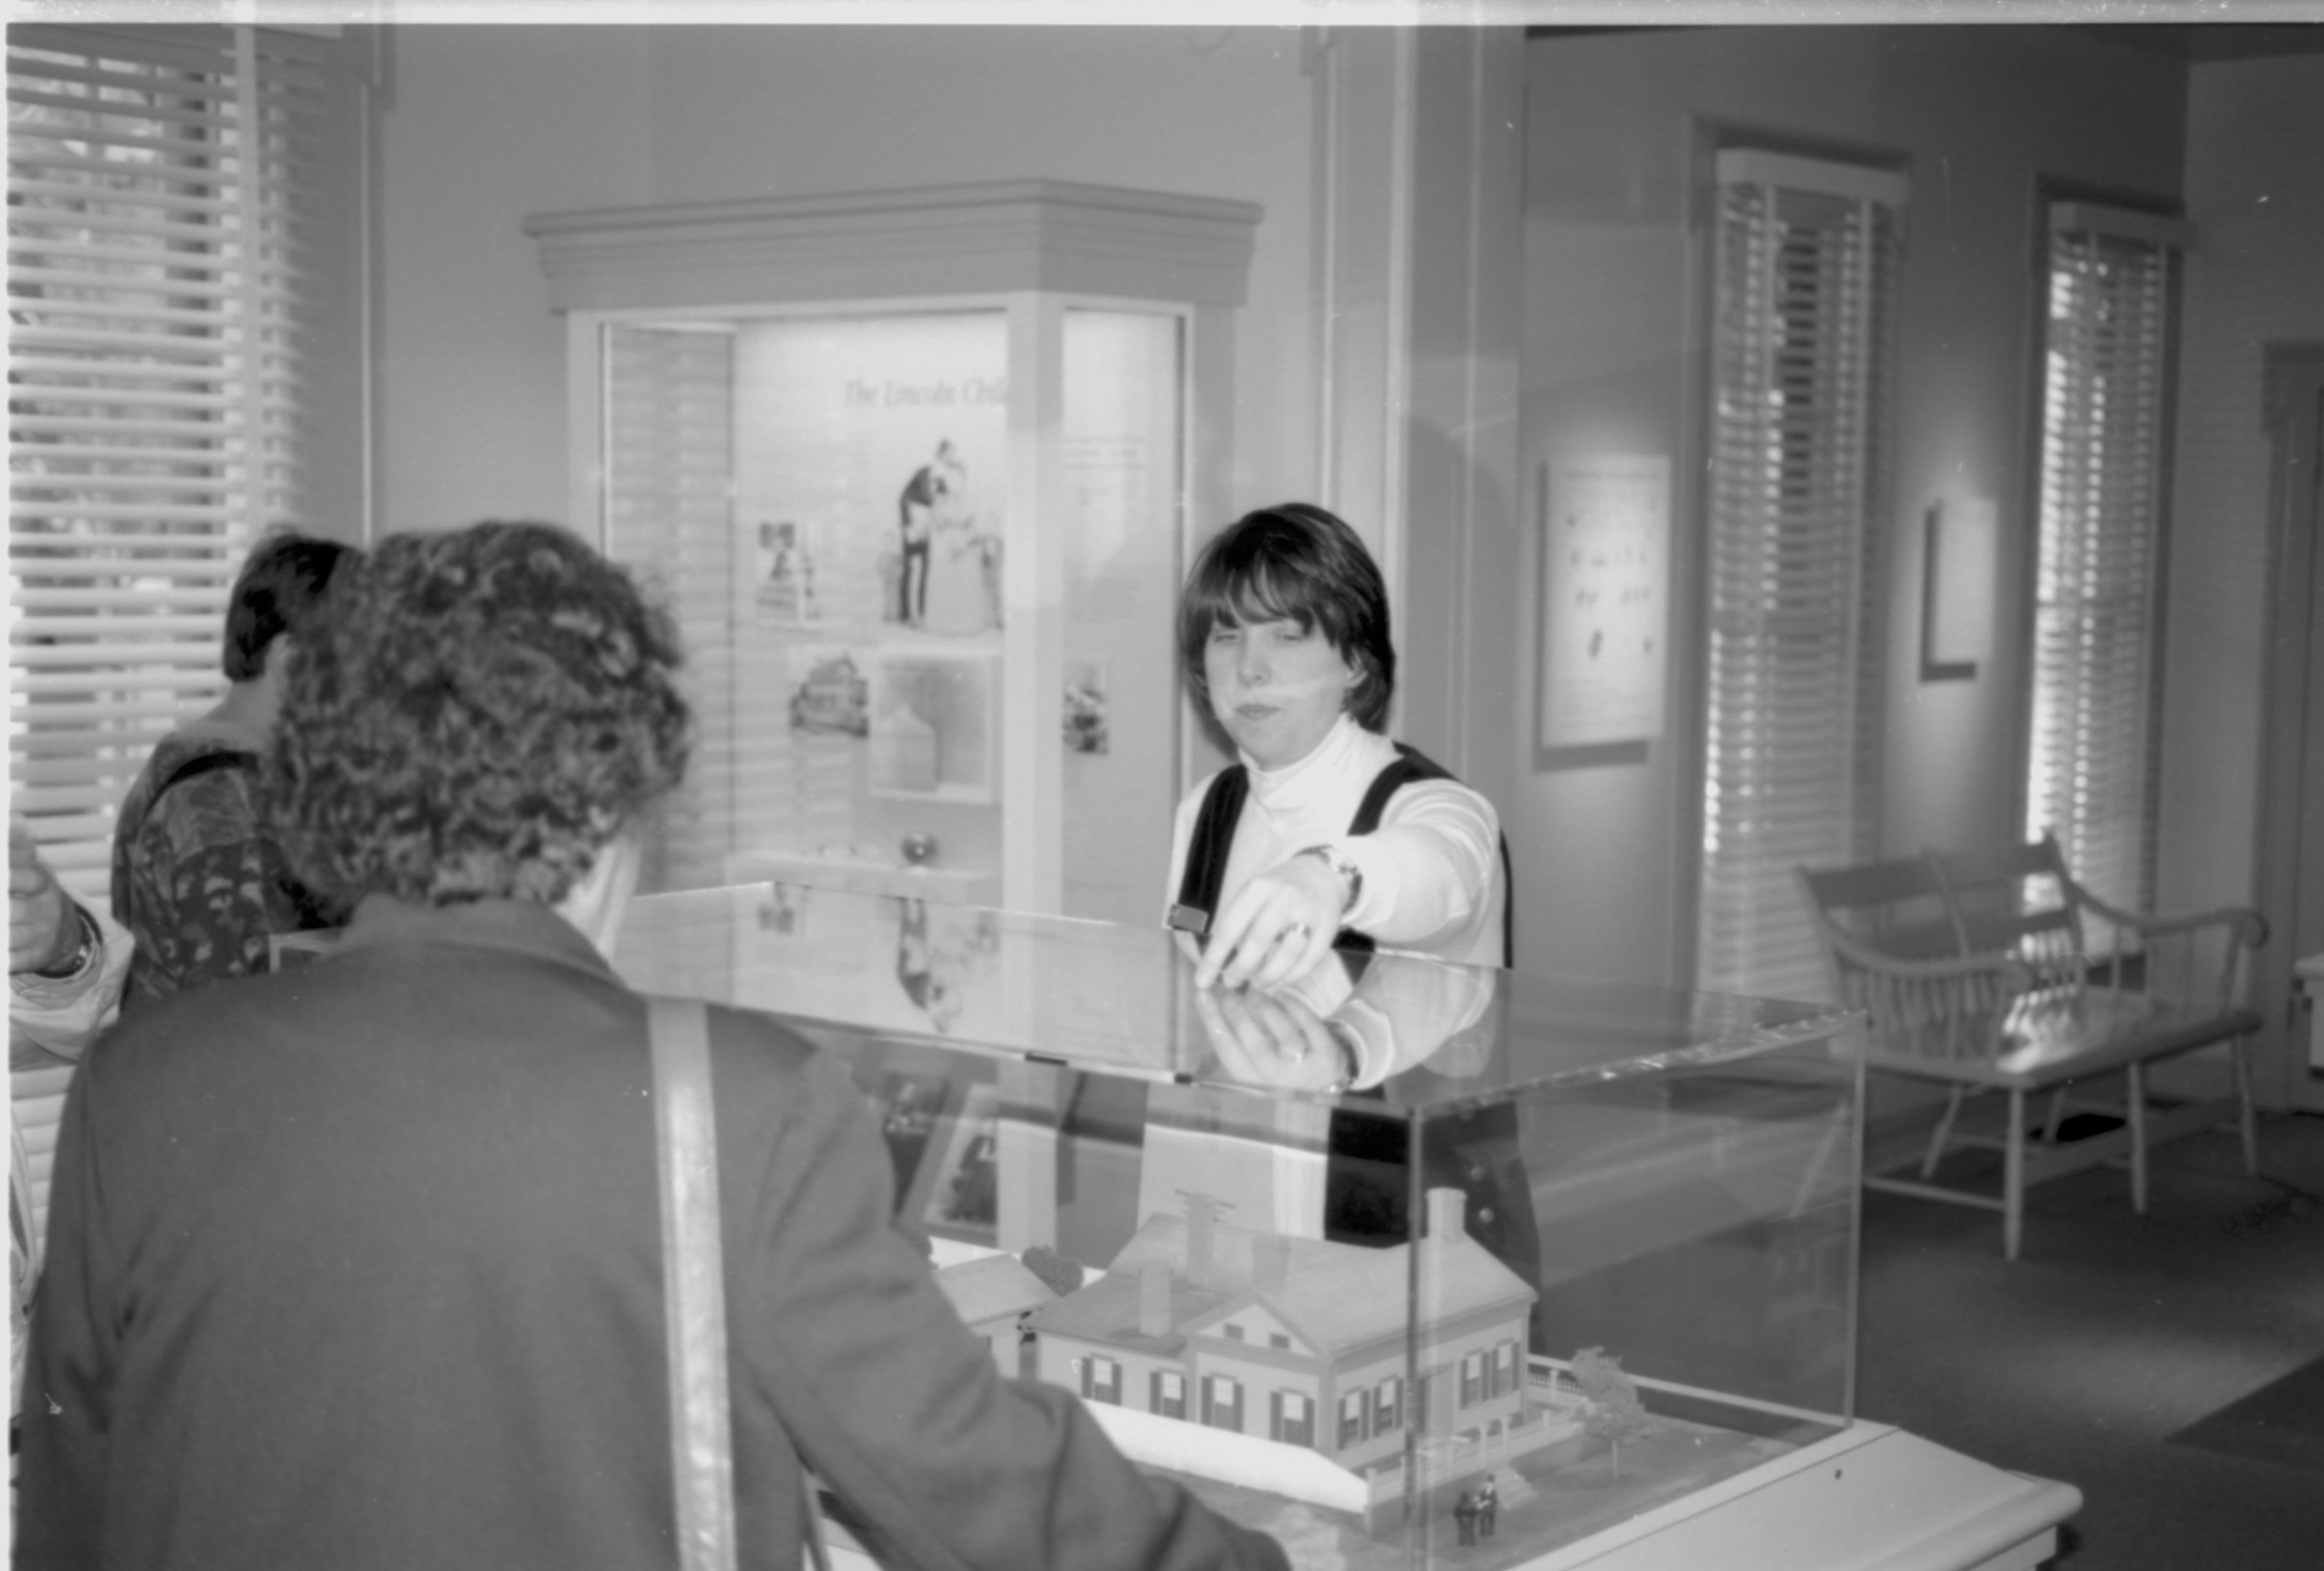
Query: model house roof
[[1333, 1296]]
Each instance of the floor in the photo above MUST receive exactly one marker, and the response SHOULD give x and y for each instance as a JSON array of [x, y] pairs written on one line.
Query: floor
[[2166, 1365]]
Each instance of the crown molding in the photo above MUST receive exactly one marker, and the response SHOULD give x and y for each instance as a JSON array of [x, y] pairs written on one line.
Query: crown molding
[[981, 238]]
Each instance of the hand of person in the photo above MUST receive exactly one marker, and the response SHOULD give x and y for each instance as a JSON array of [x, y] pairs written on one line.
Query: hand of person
[[1277, 929], [1272, 1039], [42, 926]]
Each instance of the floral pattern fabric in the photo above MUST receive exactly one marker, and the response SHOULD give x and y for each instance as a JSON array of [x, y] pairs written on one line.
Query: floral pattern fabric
[[197, 877]]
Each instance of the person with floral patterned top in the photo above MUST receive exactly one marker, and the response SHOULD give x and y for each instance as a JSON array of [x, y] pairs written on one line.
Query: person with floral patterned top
[[199, 877]]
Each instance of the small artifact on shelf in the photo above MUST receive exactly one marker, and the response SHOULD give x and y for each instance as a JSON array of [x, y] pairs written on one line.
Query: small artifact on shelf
[[836, 698], [904, 753]]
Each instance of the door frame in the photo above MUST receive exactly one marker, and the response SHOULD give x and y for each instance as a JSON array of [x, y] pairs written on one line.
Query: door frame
[[2289, 842]]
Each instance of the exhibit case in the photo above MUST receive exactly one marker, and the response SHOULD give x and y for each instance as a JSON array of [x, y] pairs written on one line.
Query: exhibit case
[[916, 470], [1436, 1265]]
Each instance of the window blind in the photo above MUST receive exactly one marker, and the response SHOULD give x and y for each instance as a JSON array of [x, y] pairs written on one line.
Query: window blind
[[2093, 753], [164, 187], [1803, 301], [670, 412]]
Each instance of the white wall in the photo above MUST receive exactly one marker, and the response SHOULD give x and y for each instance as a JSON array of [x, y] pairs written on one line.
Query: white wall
[[485, 125], [1611, 335]]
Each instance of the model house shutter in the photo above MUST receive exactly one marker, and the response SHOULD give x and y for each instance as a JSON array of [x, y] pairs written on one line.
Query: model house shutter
[[2093, 747], [168, 255], [1803, 299]]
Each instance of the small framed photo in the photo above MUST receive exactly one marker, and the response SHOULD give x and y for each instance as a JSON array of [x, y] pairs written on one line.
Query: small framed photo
[[781, 566]]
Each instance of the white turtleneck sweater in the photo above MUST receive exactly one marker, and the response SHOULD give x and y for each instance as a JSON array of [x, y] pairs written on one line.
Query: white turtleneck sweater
[[1432, 881]]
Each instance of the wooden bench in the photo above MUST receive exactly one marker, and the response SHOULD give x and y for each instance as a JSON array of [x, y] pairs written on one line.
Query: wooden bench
[[1980, 973]]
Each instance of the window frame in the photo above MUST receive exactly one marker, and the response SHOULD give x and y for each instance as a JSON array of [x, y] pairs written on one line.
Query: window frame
[[2118, 861], [1742, 930]]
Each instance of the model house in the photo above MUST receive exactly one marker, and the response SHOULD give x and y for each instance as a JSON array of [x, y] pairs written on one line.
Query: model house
[[1297, 1340]]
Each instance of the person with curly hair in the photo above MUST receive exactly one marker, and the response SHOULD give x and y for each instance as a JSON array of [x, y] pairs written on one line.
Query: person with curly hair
[[199, 877], [360, 1264]]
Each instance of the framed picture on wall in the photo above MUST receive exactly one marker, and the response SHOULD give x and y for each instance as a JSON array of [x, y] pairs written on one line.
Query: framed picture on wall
[[1605, 594], [934, 724]]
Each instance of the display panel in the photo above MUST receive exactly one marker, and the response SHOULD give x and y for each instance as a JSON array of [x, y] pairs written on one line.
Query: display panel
[[842, 507], [1565, 1254]]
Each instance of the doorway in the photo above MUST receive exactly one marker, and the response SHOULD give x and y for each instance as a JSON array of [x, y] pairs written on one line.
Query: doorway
[[2291, 849]]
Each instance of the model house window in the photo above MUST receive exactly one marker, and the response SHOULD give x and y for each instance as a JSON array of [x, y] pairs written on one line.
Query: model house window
[[2092, 747], [1291, 1418], [1222, 1402], [1472, 1379], [174, 254], [1167, 1393], [1352, 1418], [1387, 1404], [1803, 295], [1278, 1339], [1100, 1380], [1233, 1332], [1505, 1368]]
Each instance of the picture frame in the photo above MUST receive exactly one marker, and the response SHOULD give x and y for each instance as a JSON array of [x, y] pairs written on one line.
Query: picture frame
[[1958, 557], [1604, 538]]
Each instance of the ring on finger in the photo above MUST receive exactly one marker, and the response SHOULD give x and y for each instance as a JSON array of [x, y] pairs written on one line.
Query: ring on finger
[[1299, 931]]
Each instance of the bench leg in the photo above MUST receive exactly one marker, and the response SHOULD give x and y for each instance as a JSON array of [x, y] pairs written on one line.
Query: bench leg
[[1942, 1133], [2137, 1112], [2013, 1177], [2246, 1121]]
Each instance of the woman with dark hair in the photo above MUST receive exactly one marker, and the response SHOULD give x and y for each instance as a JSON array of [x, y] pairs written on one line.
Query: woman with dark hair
[[1325, 835], [361, 1265], [1325, 830]]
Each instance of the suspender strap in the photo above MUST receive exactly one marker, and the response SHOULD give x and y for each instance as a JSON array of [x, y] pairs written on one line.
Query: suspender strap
[[702, 1442], [1412, 763], [207, 763], [1207, 853]]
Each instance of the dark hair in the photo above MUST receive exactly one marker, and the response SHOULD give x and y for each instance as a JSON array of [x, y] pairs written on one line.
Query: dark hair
[[276, 593], [482, 713], [1293, 561]]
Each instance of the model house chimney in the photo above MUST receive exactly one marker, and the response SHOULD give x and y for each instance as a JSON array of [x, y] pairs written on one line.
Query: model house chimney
[[1202, 1240], [1448, 1210], [1153, 1298]]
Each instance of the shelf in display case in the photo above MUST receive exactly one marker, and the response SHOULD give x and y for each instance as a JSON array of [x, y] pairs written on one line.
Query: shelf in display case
[[1593, 1240]]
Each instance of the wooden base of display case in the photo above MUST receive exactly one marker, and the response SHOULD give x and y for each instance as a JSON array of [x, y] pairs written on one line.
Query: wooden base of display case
[[1871, 1495]]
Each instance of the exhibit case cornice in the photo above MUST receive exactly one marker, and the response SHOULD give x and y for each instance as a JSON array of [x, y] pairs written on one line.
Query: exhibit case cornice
[[1442, 1266], [916, 469]]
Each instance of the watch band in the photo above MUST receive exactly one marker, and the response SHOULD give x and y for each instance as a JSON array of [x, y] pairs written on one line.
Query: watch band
[[1351, 876], [73, 964]]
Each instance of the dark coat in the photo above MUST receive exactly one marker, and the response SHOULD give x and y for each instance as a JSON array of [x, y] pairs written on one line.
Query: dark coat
[[359, 1265]]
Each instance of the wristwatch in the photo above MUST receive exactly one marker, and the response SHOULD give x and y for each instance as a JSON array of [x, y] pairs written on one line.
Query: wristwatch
[[1351, 876], [74, 963]]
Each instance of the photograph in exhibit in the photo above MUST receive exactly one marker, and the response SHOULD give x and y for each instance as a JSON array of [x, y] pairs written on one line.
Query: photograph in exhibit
[[884, 436], [783, 582]]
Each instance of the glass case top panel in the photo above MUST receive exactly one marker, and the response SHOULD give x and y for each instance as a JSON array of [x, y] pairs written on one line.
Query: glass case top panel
[[1121, 999]]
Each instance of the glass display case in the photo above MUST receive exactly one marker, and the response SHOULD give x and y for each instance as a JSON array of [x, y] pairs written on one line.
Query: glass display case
[[916, 470], [1472, 1268]]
